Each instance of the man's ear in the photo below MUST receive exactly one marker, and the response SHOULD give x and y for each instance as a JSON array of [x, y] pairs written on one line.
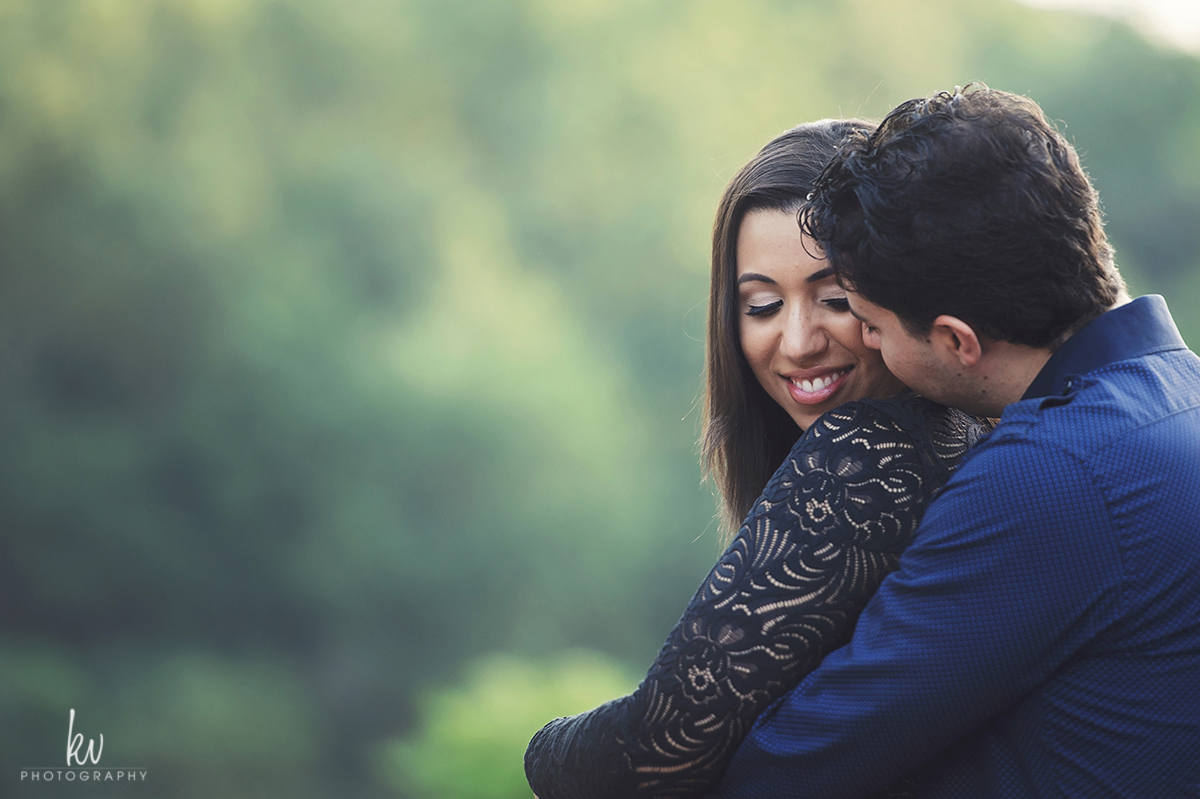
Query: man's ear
[[955, 341]]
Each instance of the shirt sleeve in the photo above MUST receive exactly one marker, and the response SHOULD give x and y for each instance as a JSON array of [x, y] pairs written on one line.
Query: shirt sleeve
[[1015, 568], [829, 526]]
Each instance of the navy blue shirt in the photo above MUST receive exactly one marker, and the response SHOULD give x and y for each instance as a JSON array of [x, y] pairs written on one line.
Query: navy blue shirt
[[1041, 636]]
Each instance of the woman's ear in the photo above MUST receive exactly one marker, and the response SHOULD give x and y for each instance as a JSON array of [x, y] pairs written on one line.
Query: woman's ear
[[955, 341]]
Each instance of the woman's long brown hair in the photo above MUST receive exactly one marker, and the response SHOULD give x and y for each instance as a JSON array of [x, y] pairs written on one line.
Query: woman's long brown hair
[[746, 433]]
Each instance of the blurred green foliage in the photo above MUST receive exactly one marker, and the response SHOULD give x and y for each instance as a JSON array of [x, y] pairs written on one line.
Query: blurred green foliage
[[472, 739], [344, 343]]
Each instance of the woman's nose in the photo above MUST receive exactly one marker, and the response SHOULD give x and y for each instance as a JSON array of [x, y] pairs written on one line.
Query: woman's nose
[[803, 337]]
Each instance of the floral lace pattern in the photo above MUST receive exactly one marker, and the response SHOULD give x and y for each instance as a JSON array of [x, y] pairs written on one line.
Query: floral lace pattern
[[828, 528]]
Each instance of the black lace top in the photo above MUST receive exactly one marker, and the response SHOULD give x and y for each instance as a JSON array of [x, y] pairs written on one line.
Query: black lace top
[[828, 528]]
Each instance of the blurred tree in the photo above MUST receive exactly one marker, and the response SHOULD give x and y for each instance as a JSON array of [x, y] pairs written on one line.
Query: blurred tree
[[471, 740]]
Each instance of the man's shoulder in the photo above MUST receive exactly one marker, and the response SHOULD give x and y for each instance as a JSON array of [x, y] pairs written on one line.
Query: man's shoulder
[[1117, 402], [1122, 444]]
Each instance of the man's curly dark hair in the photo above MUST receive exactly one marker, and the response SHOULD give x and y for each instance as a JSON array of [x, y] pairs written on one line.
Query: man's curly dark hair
[[968, 203]]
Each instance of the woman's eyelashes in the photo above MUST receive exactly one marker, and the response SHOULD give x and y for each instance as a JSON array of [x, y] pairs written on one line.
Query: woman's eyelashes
[[837, 304], [763, 310]]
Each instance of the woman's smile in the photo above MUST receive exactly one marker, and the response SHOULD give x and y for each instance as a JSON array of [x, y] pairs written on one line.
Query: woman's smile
[[816, 388]]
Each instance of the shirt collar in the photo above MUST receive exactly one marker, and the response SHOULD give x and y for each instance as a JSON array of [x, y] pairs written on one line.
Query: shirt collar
[[1137, 328]]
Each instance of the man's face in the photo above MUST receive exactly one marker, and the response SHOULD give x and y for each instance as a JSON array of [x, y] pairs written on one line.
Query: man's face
[[910, 358]]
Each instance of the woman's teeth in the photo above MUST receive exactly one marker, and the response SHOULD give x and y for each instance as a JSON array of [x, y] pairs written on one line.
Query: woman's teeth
[[809, 386]]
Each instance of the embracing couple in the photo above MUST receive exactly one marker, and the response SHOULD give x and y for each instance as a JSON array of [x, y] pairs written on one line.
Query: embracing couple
[[964, 469]]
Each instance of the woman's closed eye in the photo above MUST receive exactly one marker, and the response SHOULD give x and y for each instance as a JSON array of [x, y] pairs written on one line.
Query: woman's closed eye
[[764, 310], [838, 304]]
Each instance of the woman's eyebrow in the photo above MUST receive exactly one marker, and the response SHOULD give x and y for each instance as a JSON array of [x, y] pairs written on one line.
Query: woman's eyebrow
[[820, 274], [755, 276]]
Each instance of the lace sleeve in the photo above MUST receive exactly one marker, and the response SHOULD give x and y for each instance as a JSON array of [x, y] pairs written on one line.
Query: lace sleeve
[[829, 526]]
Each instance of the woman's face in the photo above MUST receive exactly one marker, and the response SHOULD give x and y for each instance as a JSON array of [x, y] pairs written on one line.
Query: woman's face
[[795, 327]]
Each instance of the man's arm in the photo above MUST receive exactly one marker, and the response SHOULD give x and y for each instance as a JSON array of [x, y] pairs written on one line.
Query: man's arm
[[1013, 569]]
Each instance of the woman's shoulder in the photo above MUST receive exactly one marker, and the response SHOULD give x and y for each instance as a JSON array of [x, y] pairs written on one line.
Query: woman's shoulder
[[944, 432], [901, 412]]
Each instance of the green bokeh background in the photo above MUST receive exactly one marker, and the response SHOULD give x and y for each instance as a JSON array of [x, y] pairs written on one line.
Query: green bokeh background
[[350, 350]]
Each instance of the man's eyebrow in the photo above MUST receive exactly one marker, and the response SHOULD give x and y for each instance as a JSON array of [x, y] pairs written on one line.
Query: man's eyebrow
[[820, 274], [858, 316], [752, 276]]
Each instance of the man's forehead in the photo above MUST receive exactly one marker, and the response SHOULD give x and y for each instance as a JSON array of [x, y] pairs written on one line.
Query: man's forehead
[[860, 307]]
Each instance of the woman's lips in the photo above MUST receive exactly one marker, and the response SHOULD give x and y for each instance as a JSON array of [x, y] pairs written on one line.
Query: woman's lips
[[817, 390]]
